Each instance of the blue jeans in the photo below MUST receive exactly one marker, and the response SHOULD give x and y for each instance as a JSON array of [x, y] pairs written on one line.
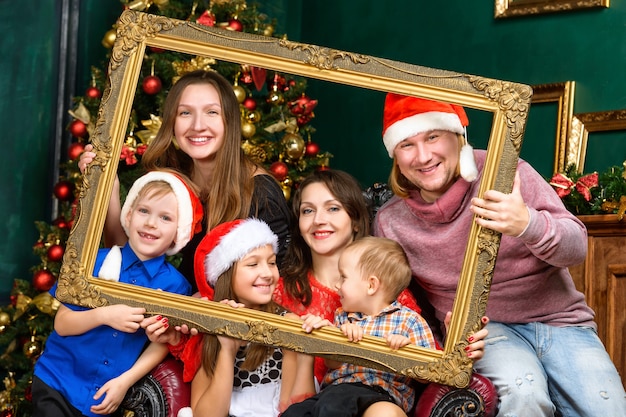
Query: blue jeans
[[542, 370]]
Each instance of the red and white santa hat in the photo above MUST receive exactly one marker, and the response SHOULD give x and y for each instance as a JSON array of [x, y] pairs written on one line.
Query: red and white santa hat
[[190, 209], [406, 116], [226, 244]]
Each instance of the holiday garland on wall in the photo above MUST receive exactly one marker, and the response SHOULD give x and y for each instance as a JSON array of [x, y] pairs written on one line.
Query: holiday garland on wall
[[275, 117]]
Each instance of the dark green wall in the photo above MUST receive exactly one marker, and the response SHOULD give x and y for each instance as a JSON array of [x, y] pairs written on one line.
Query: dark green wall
[[28, 79]]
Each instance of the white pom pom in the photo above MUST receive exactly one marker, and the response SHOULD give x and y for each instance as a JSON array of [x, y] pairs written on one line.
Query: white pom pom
[[469, 172], [112, 265], [185, 412]]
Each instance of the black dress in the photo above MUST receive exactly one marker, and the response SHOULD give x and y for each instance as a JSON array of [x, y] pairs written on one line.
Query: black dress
[[268, 204]]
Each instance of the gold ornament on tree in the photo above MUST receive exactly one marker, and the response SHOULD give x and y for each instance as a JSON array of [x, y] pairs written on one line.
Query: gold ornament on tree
[[32, 349], [294, 145]]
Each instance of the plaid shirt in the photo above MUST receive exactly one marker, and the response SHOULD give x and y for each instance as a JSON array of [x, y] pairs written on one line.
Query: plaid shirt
[[394, 319]]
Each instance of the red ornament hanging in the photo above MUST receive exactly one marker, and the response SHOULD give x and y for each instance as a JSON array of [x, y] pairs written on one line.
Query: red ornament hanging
[[234, 24], [279, 170], [43, 280], [151, 85], [64, 190], [75, 150], [61, 223], [93, 93], [249, 103], [311, 149], [55, 253], [78, 129]]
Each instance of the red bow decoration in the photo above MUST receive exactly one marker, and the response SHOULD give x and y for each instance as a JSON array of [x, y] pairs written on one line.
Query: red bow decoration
[[564, 186]]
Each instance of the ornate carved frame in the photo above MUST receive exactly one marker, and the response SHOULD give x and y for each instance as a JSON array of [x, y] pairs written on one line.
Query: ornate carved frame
[[511, 8], [509, 103], [582, 125], [563, 95]]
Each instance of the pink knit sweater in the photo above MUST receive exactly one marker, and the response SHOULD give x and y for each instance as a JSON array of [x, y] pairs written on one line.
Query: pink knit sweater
[[531, 282]]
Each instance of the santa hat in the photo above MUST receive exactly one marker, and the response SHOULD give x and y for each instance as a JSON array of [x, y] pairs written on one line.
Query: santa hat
[[226, 244], [189, 206], [406, 116]]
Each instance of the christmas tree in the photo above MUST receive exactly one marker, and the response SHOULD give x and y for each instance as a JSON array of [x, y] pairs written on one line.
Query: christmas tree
[[275, 116]]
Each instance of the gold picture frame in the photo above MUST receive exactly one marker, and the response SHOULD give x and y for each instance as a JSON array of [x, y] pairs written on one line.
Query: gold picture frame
[[512, 8], [563, 94], [585, 123], [509, 102]]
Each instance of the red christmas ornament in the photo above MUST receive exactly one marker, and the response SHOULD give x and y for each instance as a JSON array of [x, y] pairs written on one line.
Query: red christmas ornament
[[55, 253], [156, 50], [39, 244], [302, 106], [249, 103], [78, 129], [75, 150], [28, 393], [64, 190], [236, 25], [61, 223], [279, 170], [43, 280], [323, 168], [93, 92], [311, 149], [151, 85]]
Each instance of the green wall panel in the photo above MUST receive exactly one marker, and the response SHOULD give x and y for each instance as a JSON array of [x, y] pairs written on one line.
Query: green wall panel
[[28, 80]]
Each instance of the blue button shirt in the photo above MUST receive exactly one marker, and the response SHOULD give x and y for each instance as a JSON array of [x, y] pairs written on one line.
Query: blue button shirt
[[77, 366]]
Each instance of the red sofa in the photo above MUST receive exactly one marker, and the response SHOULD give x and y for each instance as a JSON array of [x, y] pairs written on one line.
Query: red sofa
[[162, 393]]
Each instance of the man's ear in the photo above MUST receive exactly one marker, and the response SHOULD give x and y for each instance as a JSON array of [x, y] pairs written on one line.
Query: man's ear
[[373, 284]]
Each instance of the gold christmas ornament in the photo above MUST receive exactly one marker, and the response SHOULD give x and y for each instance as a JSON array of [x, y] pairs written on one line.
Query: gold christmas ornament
[[240, 93], [269, 30], [276, 98], [5, 318], [286, 189], [294, 145], [254, 116], [32, 348], [109, 38], [248, 130]]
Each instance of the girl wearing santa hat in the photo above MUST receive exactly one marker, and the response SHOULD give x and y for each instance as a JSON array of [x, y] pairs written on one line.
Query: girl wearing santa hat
[[236, 263]]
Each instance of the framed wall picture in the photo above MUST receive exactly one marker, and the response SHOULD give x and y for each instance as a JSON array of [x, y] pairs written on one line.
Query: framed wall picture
[[512, 8], [562, 95]]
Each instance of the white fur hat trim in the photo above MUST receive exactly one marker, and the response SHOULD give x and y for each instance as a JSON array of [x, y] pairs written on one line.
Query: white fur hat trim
[[235, 244], [184, 231], [111, 265]]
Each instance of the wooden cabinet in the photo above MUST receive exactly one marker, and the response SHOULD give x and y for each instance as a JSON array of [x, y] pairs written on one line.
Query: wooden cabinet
[[602, 278]]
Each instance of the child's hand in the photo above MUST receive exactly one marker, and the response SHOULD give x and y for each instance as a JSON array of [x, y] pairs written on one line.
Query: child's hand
[[184, 329], [396, 341], [114, 391], [123, 318], [158, 330], [310, 322], [86, 158], [352, 331], [233, 303], [231, 345]]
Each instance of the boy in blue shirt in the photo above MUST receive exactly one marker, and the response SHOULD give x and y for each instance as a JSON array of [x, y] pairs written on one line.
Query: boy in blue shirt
[[94, 356]]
